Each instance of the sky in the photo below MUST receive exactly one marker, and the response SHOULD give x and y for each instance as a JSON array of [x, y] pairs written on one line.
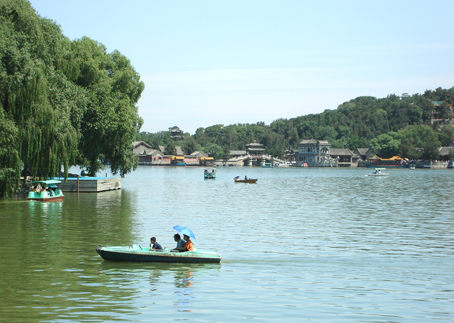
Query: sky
[[229, 62]]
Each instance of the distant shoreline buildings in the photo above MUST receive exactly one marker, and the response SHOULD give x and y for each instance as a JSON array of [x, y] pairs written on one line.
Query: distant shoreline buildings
[[310, 153]]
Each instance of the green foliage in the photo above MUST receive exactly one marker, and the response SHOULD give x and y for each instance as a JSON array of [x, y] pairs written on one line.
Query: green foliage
[[170, 149], [386, 145], [391, 126], [61, 102], [446, 135], [214, 150]]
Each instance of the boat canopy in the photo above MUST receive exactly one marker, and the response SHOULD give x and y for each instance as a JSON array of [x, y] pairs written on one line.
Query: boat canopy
[[177, 158], [392, 158], [380, 168], [48, 182], [206, 158]]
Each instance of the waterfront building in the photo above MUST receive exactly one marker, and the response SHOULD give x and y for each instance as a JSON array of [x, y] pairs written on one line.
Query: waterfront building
[[140, 146], [315, 153], [290, 156], [255, 149], [344, 156], [146, 154]]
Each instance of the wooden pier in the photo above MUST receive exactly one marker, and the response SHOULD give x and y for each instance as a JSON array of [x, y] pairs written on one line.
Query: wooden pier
[[86, 184]]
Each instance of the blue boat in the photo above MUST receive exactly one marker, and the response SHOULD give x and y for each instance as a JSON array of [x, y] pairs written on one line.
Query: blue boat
[[177, 161], [136, 253]]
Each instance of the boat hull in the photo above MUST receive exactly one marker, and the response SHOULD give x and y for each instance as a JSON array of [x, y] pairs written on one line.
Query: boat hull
[[45, 197], [48, 199], [138, 254], [251, 181], [178, 164]]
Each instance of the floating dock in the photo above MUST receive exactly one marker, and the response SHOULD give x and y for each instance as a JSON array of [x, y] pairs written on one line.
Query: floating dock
[[86, 184]]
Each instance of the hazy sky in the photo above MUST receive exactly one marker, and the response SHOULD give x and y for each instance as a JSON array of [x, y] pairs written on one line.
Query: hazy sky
[[224, 62]]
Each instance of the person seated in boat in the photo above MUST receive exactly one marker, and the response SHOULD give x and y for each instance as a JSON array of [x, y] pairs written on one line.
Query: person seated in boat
[[155, 246], [188, 246], [180, 243], [245, 177]]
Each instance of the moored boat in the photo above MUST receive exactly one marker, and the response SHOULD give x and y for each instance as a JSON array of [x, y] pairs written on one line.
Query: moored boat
[[136, 253], [284, 164], [45, 191], [177, 161], [393, 162]]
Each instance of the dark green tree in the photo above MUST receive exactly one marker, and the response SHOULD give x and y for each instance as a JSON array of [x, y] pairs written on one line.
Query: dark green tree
[[170, 149], [386, 145]]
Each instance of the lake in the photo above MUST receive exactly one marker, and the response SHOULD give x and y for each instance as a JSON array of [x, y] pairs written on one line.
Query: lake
[[314, 244]]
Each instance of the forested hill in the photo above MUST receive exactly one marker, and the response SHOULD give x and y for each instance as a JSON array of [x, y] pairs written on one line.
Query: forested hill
[[391, 125]]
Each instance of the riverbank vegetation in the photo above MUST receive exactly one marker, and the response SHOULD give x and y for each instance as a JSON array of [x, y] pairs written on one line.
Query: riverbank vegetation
[[409, 126], [62, 102]]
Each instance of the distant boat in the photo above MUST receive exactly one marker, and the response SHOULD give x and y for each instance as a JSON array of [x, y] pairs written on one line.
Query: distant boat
[[209, 175], [45, 191], [378, 172], [267, 165], [248, 180], [285, 164]]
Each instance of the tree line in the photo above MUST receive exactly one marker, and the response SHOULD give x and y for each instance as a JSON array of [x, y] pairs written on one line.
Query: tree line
[[390, 126], [62, 102]]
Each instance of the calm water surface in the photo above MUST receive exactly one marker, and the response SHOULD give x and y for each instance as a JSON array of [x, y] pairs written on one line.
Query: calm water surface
[[308, 244]]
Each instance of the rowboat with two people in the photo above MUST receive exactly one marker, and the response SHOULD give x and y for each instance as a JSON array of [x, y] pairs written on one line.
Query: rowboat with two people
[[137, 253], [45, 191], [245, 180]]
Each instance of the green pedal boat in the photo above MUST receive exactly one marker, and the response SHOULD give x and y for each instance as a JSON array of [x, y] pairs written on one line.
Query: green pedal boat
[[136, 253], [45, 191]]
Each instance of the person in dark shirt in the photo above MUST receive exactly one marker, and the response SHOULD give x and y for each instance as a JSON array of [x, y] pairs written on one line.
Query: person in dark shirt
[[154, 246], [180, 242]]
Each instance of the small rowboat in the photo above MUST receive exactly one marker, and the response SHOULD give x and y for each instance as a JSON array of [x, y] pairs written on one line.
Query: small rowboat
[[249, 180], [136, 253]]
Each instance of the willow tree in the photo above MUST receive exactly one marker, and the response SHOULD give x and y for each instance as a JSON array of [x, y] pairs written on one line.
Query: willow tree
[[61, 101], [32, 96]]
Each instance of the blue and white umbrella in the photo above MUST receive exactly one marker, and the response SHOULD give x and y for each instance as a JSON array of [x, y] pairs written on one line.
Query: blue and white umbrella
[[184, 231]]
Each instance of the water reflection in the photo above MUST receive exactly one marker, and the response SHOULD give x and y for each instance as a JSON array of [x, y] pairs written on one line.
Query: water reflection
[[44, 208], [129, 280]]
